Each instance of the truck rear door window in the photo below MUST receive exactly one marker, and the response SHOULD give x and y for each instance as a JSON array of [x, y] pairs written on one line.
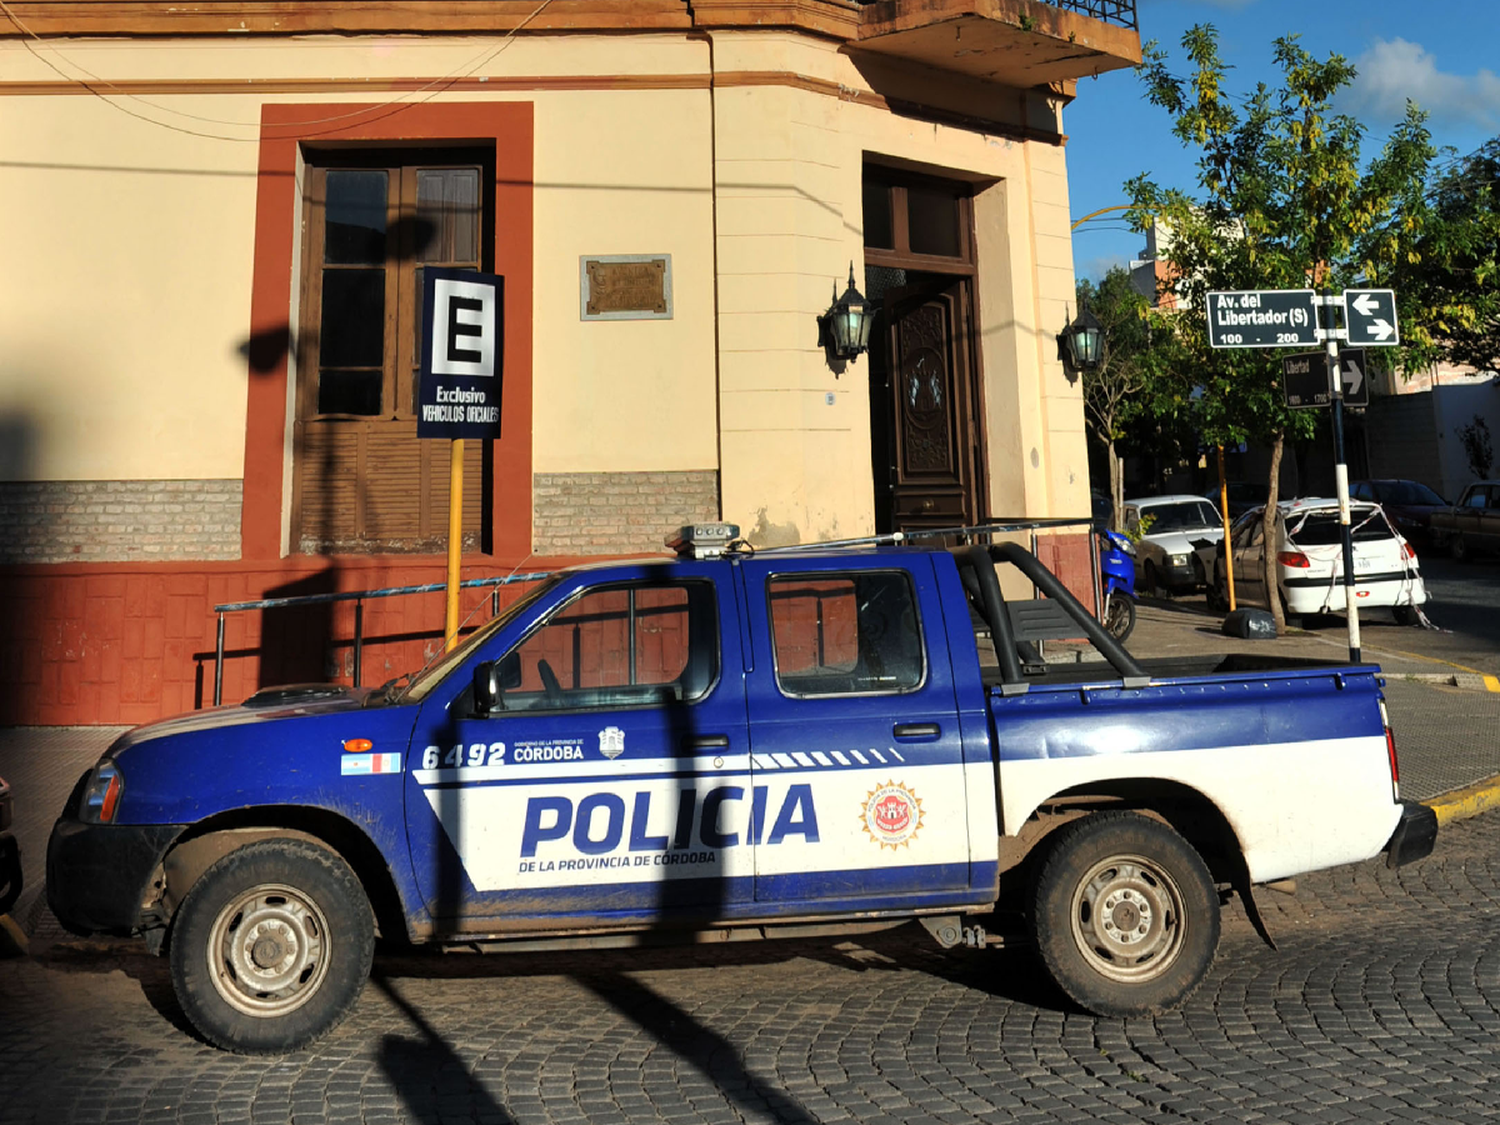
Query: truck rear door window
[[854, 634]]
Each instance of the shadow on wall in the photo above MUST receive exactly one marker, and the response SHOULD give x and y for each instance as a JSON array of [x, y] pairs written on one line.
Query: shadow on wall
[[22, 612], [296, 642]]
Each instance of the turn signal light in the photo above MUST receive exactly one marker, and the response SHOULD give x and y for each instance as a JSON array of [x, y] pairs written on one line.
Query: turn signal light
[[1293, 558], [358, 745], [1407, 551], [101, 800]]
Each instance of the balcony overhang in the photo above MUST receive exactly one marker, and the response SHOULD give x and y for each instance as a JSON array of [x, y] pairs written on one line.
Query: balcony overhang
[[1006, 42]]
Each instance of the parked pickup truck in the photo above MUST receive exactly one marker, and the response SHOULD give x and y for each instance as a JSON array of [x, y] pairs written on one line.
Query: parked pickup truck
[[1472, 525], [793, 742]]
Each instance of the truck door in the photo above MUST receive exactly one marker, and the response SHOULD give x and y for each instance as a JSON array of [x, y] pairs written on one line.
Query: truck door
[[859, 787], [609, 779]]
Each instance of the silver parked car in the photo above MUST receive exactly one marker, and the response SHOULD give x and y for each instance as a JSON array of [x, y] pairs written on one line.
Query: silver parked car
[[1171, 534]]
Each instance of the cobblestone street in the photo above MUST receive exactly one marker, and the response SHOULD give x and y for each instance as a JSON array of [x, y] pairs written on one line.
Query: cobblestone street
[[1380, 1006]]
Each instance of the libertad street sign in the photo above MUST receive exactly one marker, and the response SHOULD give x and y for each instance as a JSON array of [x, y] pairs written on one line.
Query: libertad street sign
[[1262, 318], [1370, 316], [1305, 379]]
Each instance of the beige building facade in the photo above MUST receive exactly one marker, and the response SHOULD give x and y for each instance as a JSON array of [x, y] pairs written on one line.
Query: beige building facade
[[217, 219]]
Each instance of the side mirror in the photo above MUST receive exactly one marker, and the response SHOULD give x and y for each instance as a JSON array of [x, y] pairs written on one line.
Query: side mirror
[[486, 687], [492, 679]]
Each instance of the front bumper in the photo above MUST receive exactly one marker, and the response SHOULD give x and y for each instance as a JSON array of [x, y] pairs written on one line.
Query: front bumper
[[98, 874], [1415, 835]]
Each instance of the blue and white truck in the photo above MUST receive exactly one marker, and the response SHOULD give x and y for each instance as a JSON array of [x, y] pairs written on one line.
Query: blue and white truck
[[730, 745]]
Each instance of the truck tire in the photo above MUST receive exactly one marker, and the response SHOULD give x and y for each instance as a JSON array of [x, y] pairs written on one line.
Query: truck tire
[[272, 947], [1124, 914], [1458, 548]]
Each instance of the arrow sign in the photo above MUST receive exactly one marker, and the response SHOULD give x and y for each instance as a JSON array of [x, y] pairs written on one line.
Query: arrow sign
[[1354, 377], [1305, 379], [1370, 316]]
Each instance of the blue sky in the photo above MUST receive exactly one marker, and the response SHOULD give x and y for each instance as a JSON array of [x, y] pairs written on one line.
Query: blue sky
[[1443, 56]]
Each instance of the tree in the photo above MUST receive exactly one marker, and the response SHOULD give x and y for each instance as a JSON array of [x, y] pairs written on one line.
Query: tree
[[1282, 204], [1445, 265], [1135, 375]]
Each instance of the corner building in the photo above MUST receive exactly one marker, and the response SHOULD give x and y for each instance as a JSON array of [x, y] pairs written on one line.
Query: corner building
[[216, 220]]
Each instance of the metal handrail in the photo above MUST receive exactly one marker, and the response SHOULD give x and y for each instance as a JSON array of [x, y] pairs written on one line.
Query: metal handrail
[[358, 597]]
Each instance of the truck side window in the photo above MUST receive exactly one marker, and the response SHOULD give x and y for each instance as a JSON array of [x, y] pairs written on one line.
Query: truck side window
[[851, 634], [620, 646]]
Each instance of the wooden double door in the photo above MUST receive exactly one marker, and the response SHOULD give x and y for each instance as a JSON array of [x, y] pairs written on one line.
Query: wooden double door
[[925, 435]]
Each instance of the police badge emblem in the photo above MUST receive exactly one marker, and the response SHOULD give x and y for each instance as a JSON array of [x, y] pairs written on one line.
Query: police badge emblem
[[892, 815], [611, 742]]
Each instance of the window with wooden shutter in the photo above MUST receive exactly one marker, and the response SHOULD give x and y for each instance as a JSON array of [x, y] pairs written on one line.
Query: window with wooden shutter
[[362, 481]]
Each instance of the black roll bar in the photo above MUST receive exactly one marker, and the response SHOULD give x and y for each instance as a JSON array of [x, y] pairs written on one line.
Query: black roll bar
[[994, 610], [1029, 565]]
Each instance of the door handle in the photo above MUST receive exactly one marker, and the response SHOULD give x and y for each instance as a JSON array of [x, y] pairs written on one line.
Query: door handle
[[706, 742], [916, 730]]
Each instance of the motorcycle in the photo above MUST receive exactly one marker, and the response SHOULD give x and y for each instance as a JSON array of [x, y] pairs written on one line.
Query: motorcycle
[[1117, 581]]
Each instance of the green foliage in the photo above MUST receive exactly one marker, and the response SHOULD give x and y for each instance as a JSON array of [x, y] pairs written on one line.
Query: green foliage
[[1441, 253], [1282, 204], [1140, 379]]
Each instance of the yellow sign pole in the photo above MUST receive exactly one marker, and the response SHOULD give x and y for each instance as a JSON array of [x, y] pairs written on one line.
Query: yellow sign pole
[[1224, 515], [455, 539]]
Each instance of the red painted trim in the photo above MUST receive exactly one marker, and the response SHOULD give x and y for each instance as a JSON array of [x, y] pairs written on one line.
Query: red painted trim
[[283, 128]]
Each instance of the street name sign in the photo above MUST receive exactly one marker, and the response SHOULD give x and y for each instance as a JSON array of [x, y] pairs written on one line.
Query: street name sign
[[1370, 317], [461, 347], [1262, 318], [1305, 379]]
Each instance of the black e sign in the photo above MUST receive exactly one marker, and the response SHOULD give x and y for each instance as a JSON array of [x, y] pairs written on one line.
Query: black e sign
[[461, 347]]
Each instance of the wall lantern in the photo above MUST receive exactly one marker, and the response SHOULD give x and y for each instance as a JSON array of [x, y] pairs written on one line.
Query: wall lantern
[[845, 328], [1081, 344]]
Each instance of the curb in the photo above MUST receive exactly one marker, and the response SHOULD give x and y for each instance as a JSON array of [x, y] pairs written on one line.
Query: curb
[[1475, 681], [1470, 801]]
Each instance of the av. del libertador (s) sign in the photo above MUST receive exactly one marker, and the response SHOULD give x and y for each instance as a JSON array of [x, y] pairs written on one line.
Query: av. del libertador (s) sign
[[1263, 318], [462, 341], [1288, 318]]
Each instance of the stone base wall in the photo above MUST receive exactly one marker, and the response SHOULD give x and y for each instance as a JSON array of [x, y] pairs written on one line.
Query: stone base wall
[[618, 513], [119, 520]]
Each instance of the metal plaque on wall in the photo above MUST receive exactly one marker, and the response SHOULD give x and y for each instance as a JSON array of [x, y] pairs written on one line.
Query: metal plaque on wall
[[625, 287]]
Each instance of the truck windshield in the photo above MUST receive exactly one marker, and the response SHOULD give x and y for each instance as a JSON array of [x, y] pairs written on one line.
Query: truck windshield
[[428, 678], [1186, 516]]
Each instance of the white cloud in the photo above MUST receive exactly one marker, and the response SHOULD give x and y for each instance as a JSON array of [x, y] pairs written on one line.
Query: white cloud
[[1394, 70]]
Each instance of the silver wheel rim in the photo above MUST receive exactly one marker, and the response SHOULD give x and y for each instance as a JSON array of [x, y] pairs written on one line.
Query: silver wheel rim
[[1128, 919], [268, 950]]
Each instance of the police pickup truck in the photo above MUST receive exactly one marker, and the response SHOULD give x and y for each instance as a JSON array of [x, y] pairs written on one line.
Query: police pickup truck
[[732, 745]]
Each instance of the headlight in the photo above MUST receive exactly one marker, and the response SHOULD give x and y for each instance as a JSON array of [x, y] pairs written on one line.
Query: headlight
[[1179, 560], [101, 797]]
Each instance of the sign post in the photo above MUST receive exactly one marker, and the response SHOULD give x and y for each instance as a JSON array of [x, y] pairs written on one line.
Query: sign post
[[459, 387], [1276, 318]]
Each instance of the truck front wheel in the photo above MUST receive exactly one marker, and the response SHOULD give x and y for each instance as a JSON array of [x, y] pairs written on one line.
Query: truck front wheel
[[272, 947], [1124, 914]]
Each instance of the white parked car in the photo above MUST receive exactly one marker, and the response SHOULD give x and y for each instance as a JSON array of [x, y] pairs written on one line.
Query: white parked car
[[1308, 566], [1169, 553]]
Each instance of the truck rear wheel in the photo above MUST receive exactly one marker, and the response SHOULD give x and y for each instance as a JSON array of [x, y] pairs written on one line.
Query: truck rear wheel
[[1124, 914], [272, 947]]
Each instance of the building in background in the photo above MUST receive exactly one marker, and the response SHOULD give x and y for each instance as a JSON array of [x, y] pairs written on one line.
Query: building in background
[[217, 218]]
